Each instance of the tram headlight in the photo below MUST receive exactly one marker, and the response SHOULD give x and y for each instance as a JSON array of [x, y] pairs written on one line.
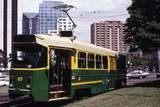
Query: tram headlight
[[10, 85], [73, 77], [11, 81], [28, 83], [28, 86]]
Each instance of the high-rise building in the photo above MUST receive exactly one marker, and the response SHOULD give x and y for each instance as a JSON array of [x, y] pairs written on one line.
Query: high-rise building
[[109, 34], [48, 16], [64, 23], [30, 23]]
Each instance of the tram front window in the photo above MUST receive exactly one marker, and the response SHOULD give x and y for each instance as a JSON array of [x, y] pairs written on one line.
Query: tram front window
[[29, 56]]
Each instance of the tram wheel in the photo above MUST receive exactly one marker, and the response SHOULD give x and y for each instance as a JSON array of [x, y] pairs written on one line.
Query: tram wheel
[[12, 96], [123, 84]]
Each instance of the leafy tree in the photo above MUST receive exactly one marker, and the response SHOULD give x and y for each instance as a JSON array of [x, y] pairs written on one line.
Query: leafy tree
[[3, 58], [143, 25]]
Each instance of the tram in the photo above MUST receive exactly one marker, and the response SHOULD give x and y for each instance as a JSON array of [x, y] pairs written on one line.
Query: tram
[[52, 68]]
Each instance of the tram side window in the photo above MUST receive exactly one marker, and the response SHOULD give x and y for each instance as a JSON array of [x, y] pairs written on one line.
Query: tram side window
[[98, 61], [90, 60], [105, 62], [113, 63], [82, 60], [121, 62]]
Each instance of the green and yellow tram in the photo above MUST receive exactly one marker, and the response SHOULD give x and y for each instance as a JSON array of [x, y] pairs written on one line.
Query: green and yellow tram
[[51, 68]]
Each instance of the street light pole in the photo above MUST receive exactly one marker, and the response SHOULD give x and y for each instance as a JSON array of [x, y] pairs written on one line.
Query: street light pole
[[14, 19], [14, 14], [5, 20]]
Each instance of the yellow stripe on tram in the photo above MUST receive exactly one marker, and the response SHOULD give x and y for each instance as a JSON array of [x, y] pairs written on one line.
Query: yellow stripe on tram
[[29, 69], [86, 83]]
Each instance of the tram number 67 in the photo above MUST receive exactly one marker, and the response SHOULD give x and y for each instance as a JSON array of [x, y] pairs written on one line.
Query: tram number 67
[[20, 79]]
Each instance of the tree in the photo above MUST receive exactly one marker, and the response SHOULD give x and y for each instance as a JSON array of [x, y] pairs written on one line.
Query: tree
[[143, 25], [3, 58]]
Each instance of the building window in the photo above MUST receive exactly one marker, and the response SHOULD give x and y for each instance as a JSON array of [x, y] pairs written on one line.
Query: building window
[[90, 60], [98, 61], [82, 60]]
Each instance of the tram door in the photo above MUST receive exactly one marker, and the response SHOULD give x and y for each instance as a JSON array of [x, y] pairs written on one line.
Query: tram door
[[60, 73]]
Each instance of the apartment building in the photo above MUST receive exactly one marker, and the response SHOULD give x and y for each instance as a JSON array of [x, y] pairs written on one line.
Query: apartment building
[[109, 34]]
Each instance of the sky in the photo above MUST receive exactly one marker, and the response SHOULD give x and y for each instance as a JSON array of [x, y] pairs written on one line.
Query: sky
[[84, 14]]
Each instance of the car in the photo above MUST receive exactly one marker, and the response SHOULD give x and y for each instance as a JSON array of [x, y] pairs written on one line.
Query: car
[[158, 74], [137, 74], [4, 81]]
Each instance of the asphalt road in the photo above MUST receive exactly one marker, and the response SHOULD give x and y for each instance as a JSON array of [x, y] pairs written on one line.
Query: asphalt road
[[149, 78]]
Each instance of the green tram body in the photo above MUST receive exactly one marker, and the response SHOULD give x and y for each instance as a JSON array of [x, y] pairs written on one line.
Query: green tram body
[[59, 68]]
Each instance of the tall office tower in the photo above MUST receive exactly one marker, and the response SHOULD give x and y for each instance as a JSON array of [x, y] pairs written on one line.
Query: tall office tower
[[48, 15], [30, 23], [109, 34], [64, 24]]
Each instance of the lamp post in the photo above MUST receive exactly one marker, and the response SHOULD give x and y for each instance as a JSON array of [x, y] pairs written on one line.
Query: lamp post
[[129, 66], [5, 20], [14, 19], [159, 59]]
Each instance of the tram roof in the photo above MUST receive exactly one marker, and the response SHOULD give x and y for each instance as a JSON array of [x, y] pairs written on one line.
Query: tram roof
[[56, 41]]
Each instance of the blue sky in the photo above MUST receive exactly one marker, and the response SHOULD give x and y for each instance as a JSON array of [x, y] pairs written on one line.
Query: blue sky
[[85, 13]]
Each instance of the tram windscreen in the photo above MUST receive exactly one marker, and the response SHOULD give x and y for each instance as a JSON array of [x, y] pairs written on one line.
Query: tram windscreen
[[29, 56]]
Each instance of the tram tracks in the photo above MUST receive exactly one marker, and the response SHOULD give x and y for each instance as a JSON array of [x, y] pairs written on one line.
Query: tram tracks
[[5, 101]]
